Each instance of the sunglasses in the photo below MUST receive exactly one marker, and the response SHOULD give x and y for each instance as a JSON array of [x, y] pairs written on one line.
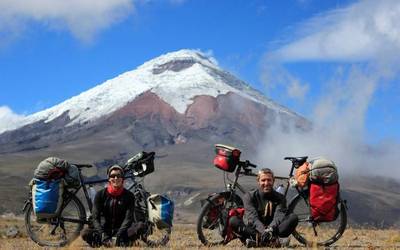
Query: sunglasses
[[112, 176]]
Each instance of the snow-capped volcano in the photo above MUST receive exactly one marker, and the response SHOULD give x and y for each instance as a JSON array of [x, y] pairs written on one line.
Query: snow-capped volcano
[[176, 78]]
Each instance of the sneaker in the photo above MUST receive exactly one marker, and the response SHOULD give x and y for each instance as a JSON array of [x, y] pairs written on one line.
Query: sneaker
[[250, 243]]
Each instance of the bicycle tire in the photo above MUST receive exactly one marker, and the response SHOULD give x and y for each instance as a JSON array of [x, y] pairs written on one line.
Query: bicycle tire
[[219, 205], [157, 236], [72, 213], [327, 232]]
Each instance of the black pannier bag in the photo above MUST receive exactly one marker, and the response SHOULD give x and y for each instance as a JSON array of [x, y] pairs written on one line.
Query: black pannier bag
[[142, 163], [227, 157]]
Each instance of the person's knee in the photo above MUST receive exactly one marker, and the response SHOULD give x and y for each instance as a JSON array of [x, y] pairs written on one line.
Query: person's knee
[[293, 219]]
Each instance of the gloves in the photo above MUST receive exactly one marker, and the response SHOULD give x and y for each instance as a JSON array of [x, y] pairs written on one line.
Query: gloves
[[122, 239], [97, 240], [267, 235]]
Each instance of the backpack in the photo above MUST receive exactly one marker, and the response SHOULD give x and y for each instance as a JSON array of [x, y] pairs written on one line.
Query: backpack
[[324, 190], [161, 210], [47, 197]]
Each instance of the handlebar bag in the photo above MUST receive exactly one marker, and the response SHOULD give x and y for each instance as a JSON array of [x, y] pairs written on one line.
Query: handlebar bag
[[161, 210], [47, 197], [227, 157], [142, 163]]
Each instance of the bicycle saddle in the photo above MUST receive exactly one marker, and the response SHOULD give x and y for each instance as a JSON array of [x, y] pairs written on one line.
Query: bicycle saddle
[[297, 161]]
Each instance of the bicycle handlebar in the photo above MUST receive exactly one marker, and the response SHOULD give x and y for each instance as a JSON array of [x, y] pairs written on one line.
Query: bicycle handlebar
[[246, 164], [83, 165]]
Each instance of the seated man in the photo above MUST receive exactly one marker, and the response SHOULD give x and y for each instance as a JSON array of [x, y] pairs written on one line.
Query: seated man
[[265, 210], [113, 214]]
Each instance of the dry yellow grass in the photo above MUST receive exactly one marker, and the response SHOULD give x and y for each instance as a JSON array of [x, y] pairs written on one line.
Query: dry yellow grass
[[185, 237]]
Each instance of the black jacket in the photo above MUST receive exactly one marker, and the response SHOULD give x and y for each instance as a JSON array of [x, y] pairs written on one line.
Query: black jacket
[[113, 215], [263, 210]]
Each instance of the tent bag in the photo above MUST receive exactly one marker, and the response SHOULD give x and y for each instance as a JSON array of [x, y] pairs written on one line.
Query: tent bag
[[323, 171], [161, 210], [51, 168], [47, 197], [324, 201], [227, 157]]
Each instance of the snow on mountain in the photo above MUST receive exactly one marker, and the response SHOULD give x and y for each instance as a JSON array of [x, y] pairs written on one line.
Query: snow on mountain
[[176, 77]]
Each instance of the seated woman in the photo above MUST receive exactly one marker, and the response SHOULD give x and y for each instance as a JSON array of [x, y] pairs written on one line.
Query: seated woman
[[113, 214]]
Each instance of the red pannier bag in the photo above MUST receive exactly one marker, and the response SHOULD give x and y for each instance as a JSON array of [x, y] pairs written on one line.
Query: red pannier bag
[[323, 201], [239, 212], [227, 157]]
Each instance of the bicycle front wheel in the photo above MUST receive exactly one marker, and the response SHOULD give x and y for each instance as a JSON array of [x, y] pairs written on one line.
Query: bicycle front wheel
[[212, 220], [311, 233], [58, 231]]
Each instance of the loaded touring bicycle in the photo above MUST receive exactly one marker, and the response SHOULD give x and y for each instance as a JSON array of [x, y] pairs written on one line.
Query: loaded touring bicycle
[[212, 223], [71, 216]]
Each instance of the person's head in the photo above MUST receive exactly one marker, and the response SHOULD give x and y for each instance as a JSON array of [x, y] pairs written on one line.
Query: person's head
[[116, 176], [265, 180]]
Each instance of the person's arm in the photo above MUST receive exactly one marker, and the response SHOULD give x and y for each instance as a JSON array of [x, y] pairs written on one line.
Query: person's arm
[[96, 212], [251, 212], [128, 219], [280, 212]]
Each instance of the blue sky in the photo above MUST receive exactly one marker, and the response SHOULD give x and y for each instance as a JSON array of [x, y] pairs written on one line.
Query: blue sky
[[327, 60]]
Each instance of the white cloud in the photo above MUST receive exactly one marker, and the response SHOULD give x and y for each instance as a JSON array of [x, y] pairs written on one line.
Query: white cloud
[[8, 119], [83, 18], [274, 76], [363, 31], [338, 129], [367, 35]]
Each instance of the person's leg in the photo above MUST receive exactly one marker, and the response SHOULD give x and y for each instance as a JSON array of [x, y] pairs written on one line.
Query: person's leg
[[136, 230], [288, 225], [242, 230]]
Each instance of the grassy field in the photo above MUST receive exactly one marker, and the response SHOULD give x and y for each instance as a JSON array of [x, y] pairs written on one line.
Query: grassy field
[[184, 237]]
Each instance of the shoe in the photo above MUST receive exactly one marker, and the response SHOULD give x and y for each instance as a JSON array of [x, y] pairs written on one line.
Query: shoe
[[250, 243]]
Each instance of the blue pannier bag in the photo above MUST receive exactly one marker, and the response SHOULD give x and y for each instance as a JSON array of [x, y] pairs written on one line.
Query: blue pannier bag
[[161, 211], [47, 197]]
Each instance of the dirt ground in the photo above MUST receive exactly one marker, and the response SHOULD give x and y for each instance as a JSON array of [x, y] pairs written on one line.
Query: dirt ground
[[184, 237]]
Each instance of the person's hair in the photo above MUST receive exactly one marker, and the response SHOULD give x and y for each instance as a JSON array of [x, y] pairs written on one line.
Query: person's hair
[[265, 171]]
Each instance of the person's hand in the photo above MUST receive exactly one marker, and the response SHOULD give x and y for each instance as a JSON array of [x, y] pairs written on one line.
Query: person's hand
[[267, 235], [122, 239], [106, 240], [97, 240]]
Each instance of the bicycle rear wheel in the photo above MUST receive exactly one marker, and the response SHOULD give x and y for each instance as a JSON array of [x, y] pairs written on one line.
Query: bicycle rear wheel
[[312, 233], [59, 231], [213, 218]]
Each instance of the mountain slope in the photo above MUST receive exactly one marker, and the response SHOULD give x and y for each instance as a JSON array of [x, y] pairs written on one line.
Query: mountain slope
[[176, 78]]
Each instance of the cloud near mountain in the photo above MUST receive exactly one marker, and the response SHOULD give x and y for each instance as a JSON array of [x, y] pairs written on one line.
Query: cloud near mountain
[[8, 119]]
